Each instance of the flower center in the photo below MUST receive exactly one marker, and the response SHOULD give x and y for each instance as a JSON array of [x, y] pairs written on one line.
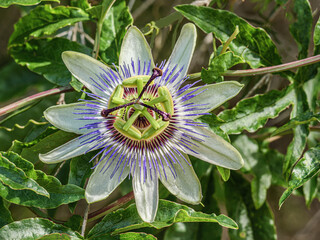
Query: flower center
[[141, 109]]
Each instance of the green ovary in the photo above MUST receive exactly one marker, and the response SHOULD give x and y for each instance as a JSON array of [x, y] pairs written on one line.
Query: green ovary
[[136, 121]]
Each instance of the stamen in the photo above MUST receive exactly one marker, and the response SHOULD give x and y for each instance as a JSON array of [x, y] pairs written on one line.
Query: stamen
[[165, 116], [156, 72], [106, 112]]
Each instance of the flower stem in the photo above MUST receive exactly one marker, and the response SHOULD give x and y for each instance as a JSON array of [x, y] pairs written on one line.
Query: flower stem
[[112, 207], [265, 70], [23, 102]]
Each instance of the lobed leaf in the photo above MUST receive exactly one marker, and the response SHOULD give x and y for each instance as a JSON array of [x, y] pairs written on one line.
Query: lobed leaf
[[305, 169], [7, 3], [15, 178], [168, 213], [35, 228], [252, 44], [43, 21], [252, 113], [43, 56], [59, 194]]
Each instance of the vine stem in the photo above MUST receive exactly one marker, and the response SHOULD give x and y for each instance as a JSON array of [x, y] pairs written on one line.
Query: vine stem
[[230, 73], [113, 206], [23, 102], [265, 70]]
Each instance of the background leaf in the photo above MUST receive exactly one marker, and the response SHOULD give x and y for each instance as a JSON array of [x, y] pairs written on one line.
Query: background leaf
[[34, 228], [168, 213], [252, 44], [5, 216], [113, 30], [59, 194], [43, 56], [252, 113], [7, 3], [43, 21]]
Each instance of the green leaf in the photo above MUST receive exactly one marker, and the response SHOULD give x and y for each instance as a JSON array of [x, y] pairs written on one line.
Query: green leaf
[[224, 172], [35, 228], [252, 44], [300, 132], [168, 213], [113, 30], [7, 3], [56, 236], [310, 190], [43, 56], [59, 194], [255, 164], [301, 28], [5, 216], [252, 113], [303, 118], [218, 66], [43, 21], [253, 224], [305, 169], [15, 178], [214, 123]]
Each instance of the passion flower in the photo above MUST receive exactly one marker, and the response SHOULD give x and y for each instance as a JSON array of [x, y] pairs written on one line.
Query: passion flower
[[141, 121]]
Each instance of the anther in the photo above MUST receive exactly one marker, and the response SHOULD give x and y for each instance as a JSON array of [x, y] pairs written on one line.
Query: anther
[[105, 112], [156, 72]]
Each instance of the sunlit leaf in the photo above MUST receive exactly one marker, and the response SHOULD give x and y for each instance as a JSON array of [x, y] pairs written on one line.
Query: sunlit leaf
[[168, 213], [15, 178], [252, 113], [59, 194]]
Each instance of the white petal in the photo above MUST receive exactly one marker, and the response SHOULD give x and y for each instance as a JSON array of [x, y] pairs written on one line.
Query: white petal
[[215, 150], [64, 117], [185, 185], [134, 47], [182, 53], [146, 195], [101, 184], [213, 95], [88, 70], [66, 151]]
